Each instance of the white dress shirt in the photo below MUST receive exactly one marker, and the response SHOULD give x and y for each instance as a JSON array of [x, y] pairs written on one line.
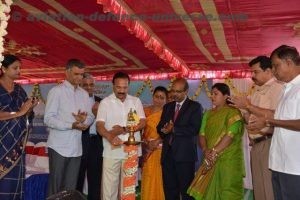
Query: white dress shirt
[[180, 103], [112, 111], [62, 101], [285, 146], [93, 126]]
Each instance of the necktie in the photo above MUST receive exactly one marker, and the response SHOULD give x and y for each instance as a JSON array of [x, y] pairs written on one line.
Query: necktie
[[174, 118], [176, 111]]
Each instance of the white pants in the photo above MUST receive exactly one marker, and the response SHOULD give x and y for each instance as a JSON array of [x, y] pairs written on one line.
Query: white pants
[[112, 178]]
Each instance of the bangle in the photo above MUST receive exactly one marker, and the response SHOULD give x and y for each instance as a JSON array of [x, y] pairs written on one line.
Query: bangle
[[14, 113], [216, 152]]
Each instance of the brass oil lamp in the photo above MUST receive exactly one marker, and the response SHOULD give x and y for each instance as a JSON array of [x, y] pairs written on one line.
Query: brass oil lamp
[[131, 124]]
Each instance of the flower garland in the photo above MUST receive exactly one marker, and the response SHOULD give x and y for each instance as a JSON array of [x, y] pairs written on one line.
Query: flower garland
[[203, 82], [235, 92], [149, 83], [198, 91], [4, 17], [141, 89], [130, 168]]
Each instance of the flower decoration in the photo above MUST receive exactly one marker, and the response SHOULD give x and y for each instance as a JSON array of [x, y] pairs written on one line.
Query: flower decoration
[[146, 83], [149, 83], [202, 83], [130, 168], [4, 17], [141, 89], [234, 90]]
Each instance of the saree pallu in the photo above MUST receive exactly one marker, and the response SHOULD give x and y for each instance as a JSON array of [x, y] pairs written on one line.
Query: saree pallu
[[13, 135], [152, 184], [225, 179]]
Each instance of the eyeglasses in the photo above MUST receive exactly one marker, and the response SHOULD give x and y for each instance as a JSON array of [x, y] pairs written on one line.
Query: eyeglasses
[[177, 91], [88, 85]]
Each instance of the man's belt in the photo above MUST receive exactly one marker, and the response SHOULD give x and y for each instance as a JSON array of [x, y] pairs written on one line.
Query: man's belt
[[260, 139]]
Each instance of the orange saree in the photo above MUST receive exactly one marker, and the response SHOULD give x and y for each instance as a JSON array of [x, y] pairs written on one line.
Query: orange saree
[[152, 184]]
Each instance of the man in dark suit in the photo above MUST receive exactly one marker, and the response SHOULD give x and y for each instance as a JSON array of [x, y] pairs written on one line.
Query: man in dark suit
[[179, 127], [92, 148]]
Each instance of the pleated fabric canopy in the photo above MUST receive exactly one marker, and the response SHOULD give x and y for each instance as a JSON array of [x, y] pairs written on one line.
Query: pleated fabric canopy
[[158, 39]]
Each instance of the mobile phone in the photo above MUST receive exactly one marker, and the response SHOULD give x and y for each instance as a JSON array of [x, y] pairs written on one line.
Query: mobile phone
[[228, 101], [33, 99]]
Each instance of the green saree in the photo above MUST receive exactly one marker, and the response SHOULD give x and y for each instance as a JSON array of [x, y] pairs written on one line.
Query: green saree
[[225, 179]]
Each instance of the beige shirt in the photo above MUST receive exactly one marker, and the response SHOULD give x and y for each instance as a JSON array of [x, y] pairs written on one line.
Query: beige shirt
[[266, 96]]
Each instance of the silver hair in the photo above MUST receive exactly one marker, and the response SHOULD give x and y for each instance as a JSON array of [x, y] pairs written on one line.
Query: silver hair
[[88, 76]]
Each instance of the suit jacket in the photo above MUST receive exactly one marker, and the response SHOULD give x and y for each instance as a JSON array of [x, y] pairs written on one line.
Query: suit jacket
[[185, 131], [97, 99], [86, 132]]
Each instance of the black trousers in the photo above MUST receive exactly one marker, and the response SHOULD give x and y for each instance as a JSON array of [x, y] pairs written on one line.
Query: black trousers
[[177, 177], [285, 186], [91, 164]]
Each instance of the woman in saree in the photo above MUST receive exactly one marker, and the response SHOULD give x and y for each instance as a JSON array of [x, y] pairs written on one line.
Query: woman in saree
[[221, 174], [152, 185], [14, 105]]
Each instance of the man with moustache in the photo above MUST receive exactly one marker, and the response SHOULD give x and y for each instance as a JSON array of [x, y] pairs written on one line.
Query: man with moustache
[[92, 147], [284, 160], [67, 114], [179, 128], [266, 96], [111, 124]]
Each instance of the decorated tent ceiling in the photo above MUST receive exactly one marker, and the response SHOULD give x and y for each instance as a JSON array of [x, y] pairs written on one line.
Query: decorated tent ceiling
[[150, 38]]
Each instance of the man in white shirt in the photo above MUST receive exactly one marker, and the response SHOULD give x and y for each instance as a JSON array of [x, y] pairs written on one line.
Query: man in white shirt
[[111, 124], [284, 159], [67, 114]]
